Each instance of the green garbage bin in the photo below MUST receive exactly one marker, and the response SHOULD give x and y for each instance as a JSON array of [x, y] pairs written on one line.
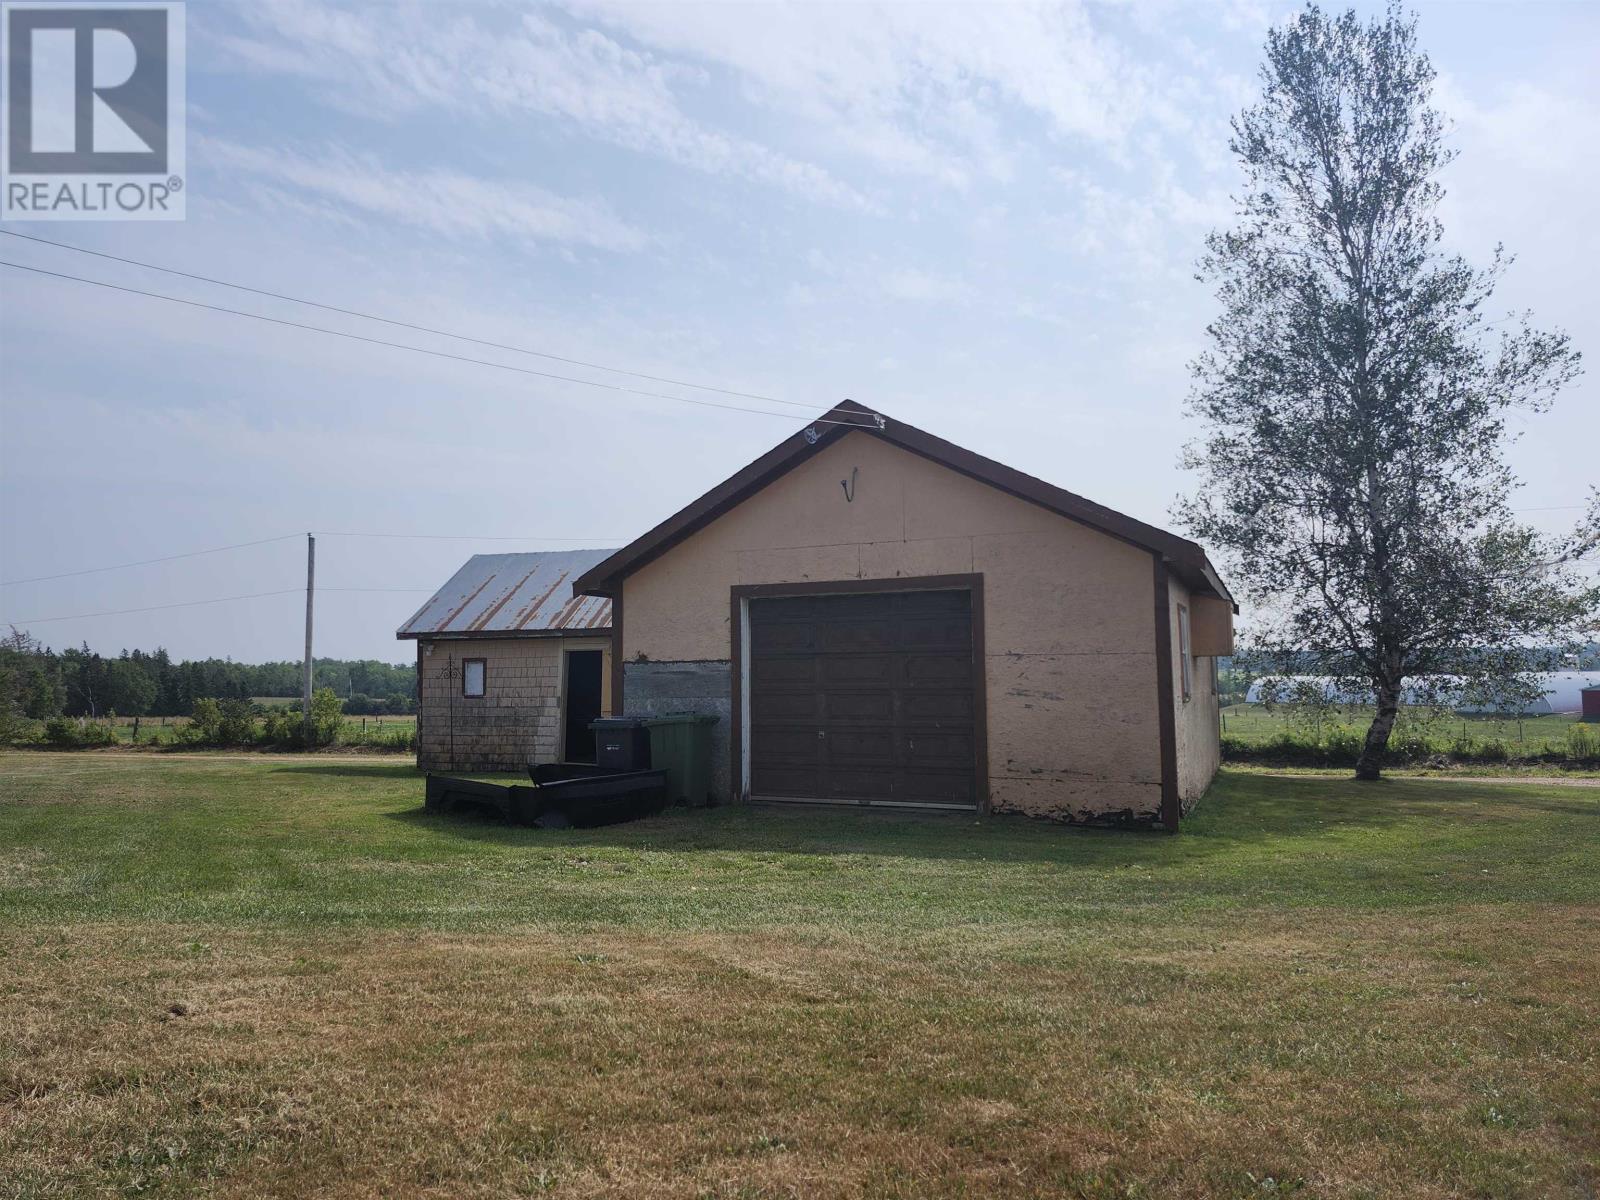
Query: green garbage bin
[[680, 744]]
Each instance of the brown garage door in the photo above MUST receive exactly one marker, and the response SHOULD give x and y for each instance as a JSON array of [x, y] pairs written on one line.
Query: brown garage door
[[865, 698]]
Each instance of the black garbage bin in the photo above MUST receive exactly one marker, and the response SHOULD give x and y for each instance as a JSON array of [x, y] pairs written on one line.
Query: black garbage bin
[[621, 743]]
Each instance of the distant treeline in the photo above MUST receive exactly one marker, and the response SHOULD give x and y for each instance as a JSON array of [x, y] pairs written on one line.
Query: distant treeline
[[37, 683]]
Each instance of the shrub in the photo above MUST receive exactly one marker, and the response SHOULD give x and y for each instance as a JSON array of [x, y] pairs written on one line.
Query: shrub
[[15, 728], [1494, 750], [236, 723], [229, 722], [396, 738], [21, 732], [1344, 743], [64, 733], [1411, 745], [1294, 747], [327, 715], [205, 724], [1583, 743], [1236, 749], [286, 727], [282, 727]]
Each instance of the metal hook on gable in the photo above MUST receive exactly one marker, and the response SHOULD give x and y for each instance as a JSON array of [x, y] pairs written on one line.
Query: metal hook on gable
[[849, 485]]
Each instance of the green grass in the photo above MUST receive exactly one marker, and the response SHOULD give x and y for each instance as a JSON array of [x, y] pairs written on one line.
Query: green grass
[[163, 730], [1253, 723], [1337, 989], [302, 841]]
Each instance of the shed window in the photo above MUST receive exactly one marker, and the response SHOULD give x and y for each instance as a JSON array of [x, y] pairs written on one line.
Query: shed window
[[474, 672], [1184, 657]]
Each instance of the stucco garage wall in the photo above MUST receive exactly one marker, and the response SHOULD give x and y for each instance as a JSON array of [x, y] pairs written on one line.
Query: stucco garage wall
[[1069, 625], [518, 719], [1198, 720]]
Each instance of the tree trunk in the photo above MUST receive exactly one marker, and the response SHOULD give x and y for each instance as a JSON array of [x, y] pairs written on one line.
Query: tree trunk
[[1370, 765]]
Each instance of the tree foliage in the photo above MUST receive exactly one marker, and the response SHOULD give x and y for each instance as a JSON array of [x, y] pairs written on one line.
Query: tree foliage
[[37, 683], [1354, 395]]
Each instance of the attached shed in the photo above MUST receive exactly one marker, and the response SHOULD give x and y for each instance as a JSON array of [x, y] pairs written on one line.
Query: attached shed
[[881, 617], [511, 664]]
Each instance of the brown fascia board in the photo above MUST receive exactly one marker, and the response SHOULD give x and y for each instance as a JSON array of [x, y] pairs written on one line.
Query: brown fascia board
[[1186, 558], [501, 635]]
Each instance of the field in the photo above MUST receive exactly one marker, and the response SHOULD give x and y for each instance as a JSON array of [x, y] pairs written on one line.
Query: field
[[163, 730], [1422, 739], [1253, 723], [251, 975]]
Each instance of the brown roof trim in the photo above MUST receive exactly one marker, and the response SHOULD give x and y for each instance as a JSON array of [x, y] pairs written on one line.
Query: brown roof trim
[[1187, 559], [595, 632], [1166, 702]]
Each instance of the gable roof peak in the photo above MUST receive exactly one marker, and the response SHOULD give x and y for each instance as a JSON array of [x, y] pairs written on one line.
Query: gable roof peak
[[1186, 558]]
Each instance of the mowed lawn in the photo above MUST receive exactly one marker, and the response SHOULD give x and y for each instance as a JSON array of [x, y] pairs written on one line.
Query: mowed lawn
[[245, 976]]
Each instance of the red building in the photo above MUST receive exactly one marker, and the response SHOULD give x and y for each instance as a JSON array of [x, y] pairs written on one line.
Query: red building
[[1591, 704]]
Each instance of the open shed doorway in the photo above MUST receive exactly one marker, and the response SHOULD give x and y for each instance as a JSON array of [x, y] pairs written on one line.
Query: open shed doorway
[[582, 704]]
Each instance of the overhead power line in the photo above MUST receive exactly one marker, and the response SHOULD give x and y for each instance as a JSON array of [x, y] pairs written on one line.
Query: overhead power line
[[118, 612], [466, 537], [145, 562], [445, 354], [445, 537], [366, 316]]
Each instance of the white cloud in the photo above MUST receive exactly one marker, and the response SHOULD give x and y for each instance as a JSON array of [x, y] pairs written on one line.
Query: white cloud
[[443, 202], [915, 88], [1154, 231], [923, 91], [1527, 125], [396, 61]]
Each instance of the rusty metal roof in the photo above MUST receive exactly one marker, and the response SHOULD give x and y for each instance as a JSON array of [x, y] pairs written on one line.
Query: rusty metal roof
[[500, 595]]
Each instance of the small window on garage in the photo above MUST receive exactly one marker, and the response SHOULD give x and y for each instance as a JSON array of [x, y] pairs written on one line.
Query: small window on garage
[[475, 671], [1184, 657]]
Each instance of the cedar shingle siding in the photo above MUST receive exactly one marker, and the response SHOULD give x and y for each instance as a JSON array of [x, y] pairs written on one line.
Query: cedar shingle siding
[[518, 719]]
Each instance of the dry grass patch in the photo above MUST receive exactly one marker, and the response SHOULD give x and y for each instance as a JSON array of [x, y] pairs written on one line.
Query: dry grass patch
[[280, 978], [1364, 1060]]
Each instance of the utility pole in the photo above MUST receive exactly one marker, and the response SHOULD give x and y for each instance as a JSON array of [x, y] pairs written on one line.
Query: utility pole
[[311, 584]]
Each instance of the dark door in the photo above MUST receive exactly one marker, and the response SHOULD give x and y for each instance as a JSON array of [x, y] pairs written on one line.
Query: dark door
[[865, 697], [583, 703]]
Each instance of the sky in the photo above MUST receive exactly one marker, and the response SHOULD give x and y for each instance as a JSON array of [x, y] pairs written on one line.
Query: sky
[[980, 219]]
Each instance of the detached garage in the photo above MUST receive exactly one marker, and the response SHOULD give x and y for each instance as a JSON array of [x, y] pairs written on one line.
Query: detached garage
[[883, 618]]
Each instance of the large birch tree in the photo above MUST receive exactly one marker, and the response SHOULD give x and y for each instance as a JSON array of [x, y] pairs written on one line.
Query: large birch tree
[[1355, 392]]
